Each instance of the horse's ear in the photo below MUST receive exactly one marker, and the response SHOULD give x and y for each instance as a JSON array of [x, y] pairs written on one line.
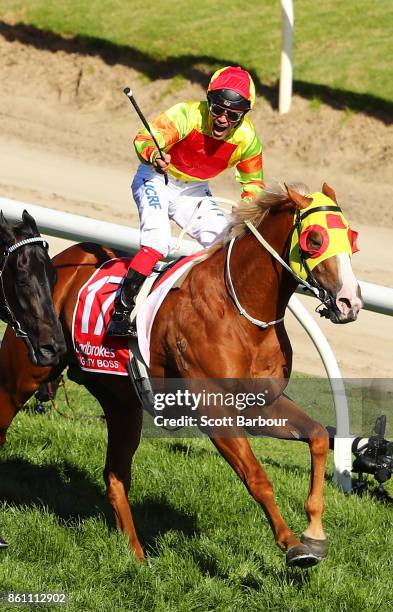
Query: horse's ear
[[300, 200], [329, 192], [29, 222], [7, 234]]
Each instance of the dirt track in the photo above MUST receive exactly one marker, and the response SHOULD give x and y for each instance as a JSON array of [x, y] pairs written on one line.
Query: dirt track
[[65, 134]]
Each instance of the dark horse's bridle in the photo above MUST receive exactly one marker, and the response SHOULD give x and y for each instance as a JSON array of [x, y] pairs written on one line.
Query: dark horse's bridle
[[6, 313]]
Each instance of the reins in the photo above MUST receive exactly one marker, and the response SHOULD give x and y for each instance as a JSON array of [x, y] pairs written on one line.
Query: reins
[[242, 311], [313, 286], [278, 257], [6, 313]]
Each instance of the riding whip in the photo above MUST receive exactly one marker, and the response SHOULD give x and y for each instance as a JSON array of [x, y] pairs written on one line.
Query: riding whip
[[142, 117]]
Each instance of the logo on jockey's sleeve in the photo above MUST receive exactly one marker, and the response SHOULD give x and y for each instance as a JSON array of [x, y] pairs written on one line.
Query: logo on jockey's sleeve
[[151, 194]]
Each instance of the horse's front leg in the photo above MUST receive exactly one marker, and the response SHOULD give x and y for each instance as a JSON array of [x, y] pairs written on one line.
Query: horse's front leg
[[19, 379], [300, 426], [238, 454], [124, 422]]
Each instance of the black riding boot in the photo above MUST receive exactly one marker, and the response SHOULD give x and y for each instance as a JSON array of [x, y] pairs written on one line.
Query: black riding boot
[[120, 324]]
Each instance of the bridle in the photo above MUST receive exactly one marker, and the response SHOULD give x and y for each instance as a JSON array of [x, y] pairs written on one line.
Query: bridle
[[6, 313], [320, 292], [311, 284]]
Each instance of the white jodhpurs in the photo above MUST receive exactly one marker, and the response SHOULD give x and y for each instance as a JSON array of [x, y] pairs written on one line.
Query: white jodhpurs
[[159, 203]]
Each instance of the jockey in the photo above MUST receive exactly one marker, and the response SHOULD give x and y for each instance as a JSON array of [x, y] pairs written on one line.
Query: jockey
[[199, 140]]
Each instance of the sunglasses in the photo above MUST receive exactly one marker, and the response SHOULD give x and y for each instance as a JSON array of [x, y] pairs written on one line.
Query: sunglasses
[[232, 115]]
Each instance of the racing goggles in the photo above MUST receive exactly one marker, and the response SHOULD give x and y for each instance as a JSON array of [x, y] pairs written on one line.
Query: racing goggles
[[232, 115]]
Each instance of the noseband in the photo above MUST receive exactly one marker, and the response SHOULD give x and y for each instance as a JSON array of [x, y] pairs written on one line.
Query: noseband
[[6, 313]]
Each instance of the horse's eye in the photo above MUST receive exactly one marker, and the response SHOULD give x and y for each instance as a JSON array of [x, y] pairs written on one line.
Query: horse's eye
[[314, 241]]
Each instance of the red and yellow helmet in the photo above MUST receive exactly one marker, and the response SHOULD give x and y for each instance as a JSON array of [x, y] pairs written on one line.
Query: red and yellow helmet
[[233, 88]]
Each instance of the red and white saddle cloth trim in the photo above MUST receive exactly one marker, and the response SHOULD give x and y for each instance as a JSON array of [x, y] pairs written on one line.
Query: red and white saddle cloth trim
[[97, 352]]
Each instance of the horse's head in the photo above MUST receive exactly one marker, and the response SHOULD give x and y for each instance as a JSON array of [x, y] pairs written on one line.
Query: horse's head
[[320, 252], [27, 278]]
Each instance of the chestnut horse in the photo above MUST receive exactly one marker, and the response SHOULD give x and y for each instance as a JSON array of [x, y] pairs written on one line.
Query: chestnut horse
[[226, 321]]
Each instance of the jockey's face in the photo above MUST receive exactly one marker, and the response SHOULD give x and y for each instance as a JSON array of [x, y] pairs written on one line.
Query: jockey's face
[[223, 120]]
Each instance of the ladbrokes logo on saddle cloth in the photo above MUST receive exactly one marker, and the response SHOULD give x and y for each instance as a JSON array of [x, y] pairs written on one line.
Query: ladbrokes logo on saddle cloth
[[97, 352]]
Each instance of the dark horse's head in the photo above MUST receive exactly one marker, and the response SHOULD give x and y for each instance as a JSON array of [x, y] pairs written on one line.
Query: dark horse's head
[[27, 278]]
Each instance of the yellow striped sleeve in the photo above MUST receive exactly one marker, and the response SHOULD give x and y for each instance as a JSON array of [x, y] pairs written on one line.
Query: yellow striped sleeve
[[249, 170], [169, 127]]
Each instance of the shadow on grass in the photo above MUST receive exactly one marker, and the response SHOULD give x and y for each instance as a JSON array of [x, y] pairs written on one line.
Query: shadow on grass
[[69, 493], [296, 470], [188, 450], [188, 66], [155, 517], [63, 489], [283, 575]]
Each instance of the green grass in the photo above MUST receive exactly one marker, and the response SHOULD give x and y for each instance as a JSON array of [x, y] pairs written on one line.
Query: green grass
[[209, 546], [342, 51]]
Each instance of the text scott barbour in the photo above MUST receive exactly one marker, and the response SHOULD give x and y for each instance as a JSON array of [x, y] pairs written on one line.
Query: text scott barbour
[[227, 421], [191, 401]]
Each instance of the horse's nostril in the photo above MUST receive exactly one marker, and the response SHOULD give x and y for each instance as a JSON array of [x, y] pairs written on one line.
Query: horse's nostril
[[48, 349], [346, 302]]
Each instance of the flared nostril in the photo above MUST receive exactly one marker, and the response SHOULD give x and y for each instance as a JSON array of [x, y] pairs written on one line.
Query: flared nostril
[[48, 349], [345, 301]]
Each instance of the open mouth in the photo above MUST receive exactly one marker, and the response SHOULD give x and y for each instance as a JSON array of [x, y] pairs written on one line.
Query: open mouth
[[219, 130]]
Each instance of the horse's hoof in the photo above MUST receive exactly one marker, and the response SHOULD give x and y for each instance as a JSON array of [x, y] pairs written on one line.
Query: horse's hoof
[[301, 556], [318, 547], [3, 543]]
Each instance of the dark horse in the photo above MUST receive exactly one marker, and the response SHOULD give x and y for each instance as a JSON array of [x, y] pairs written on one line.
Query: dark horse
[[27, 278], [202, 332]]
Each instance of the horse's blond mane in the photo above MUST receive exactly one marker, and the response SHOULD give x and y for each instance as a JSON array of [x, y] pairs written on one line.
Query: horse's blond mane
[[274, 195]]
